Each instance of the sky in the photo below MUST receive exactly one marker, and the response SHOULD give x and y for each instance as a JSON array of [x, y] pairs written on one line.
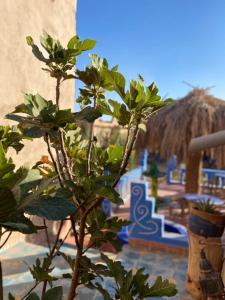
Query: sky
[[166, 41]]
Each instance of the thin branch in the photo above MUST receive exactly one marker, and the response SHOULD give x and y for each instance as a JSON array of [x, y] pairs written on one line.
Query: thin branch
[[65, 156], [6, 240], [127, 155], [89, 150], [74, 231], [57, 239], [31, 290], [59, 165], [52, 158], [57, 90], [90, 142], [47, 235], [1, 282], [51, 255], [76, 273], [62, 242], [44, 289]]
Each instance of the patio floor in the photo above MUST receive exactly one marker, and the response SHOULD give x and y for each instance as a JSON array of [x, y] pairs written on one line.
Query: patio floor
[[17, 279]]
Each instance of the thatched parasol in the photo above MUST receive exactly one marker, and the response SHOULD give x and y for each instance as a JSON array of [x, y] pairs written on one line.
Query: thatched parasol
[[171, 129]]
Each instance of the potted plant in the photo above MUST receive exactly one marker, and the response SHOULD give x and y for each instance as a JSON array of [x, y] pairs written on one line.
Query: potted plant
[[205, 229], [154, 173]]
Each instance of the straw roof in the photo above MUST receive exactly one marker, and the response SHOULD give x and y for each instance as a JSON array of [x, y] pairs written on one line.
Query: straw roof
[[171, 129]]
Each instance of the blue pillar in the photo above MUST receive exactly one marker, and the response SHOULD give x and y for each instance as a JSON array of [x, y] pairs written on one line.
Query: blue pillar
[[144, 161]]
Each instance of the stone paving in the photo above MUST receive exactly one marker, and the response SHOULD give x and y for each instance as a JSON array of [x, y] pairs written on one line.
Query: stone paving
[[18, 280]]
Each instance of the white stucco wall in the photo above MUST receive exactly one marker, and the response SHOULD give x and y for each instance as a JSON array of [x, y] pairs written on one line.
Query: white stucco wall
[[20, 72]]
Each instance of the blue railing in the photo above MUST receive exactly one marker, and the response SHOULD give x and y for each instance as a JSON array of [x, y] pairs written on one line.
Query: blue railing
[[208, 175]]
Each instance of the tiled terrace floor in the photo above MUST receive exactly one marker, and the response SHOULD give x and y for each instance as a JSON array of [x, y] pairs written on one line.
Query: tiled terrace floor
[[18, 280]]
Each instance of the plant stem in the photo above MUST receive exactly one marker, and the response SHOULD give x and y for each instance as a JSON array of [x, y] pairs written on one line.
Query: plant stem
[[59, 165], [76, 273], [6, 240], [53, 160], [62, 242], [74, 231], [47, 235], [65, 156], [57, 91], [51, 255], [28, 293], [90, 142], [44, 289], [127, 155], [1, 282]]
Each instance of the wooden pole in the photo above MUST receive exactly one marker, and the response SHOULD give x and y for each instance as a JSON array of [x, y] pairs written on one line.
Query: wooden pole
[[193, 172]]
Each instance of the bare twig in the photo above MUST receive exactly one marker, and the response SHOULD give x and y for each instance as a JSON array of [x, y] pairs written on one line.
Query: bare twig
[[90, 142], [1, 282], [44, 289], [74, 231], [52, 158], [59, 165], [76, 273], [57, 90], [65, 156], [62, 242], [51, 254], [127, 155], [31, 290], [6, 240], [47, 235]]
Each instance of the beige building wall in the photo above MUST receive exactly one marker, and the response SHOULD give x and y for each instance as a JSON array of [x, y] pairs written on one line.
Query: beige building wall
[[20, 71]]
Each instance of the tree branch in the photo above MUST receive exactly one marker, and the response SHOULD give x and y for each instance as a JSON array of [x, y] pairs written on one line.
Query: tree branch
[[53, 160], [51, 255], [75, 277], [65, 156], [127, 155], [47, 235], [1, 282], [6, 240], [31, 290], [90, 142], [57, 90]]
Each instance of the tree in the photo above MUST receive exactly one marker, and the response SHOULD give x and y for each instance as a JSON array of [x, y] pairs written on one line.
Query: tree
[[81, 174]]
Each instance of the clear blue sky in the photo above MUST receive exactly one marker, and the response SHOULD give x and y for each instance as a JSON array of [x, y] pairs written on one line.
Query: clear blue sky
[[166, 41]]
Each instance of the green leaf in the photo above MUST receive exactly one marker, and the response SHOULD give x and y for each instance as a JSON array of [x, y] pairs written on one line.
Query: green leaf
[[115, 153], [88, 114], [38, 54], [162, 288], [29, 40], [86, 45], [68, 259], [33, 296], [51, 208], [63, 116], [7, 203], [109, 193], [118, 82], [41, 270], [18, 222], [73, 42], [55, 293], [11, 297], [103, 291]]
